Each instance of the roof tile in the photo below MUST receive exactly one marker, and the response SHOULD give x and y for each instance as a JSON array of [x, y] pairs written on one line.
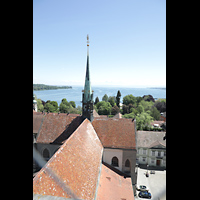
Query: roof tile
[[37, 120], [54, 125], [73, 170], [113, 186], [115, 133]]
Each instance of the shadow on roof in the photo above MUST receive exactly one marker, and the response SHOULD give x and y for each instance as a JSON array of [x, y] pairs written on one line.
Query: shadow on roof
[[69, 130]]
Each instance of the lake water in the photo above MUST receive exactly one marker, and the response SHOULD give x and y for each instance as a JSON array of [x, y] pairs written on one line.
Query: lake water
[[75, 94]]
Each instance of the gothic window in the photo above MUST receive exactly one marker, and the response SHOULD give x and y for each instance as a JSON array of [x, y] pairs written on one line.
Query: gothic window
[[115, 162], [46, 153], [127, 163]]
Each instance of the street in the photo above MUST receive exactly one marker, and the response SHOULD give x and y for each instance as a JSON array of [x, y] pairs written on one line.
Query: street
[[155, 183]]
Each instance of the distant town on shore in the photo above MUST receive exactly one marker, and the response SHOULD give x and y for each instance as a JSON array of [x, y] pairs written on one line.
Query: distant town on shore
[[49, 87]]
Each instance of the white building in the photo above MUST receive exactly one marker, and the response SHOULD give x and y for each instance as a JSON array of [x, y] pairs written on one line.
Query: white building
[[151, 148]]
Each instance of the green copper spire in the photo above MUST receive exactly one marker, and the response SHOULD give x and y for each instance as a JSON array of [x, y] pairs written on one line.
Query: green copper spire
[[88, 96], [87, 100]]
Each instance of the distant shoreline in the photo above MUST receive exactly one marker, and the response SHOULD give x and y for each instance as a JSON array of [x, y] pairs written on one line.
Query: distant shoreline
[[157, 88], [37, 87]]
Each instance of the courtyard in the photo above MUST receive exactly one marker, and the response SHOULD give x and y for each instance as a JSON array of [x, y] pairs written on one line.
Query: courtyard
[[155, 183]]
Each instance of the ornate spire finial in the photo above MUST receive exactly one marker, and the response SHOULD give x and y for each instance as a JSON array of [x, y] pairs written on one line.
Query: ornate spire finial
[[88, 40]]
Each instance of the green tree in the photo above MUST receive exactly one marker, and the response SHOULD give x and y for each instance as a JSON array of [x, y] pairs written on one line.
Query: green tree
[[130, 115], [51, 106], [142, 120], [160, 104], [134, 110], [104, 108], [96, 100], [140, 109], [73, 104], [130, 99], [79, 108], [112, 100], [147, 105], [138, 99], [65, 106], [125, 109], [55, 105], [155, 113], [74, 110], [115, 109], [118, 98], [40, 106], [148, 98], [105, 98]]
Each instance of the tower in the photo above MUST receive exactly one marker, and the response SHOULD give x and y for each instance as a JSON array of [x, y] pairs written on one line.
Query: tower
[[87, 98]]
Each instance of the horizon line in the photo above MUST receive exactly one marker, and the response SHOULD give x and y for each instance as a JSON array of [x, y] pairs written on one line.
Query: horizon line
[[98, 85]]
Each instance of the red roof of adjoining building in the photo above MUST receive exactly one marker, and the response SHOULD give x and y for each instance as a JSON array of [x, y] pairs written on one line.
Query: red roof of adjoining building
[[117, 116], [116, 133], [113, 186], [37, 119], [73, 170], [54, 125]]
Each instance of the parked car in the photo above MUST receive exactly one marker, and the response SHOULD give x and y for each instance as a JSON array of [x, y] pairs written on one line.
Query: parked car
[[144, 194], [143, 188]]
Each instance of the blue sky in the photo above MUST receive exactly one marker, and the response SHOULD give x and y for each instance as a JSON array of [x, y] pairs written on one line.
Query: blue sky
[[127, 42]]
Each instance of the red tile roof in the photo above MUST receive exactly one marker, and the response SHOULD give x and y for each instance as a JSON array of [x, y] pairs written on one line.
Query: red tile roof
[[37, 120], [117, 116], [55, 124], [113, 186], [95, 114], [115, 133], [73, 170]]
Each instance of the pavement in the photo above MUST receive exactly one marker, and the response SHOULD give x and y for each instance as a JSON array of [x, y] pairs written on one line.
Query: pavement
[[155, 183]]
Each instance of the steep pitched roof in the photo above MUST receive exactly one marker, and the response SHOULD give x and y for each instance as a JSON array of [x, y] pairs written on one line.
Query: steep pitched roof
[[157, 144], [117, 116], [114, 186], [95, 114], [148, 138], [54, 125], [115, 133], [73, 171], [37, 120]]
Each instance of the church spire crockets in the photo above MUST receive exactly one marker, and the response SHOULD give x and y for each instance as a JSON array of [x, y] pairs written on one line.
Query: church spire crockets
[[87, 100]]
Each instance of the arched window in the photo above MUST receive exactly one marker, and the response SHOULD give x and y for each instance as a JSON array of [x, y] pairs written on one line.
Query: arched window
[[127, 168], [45, 153], [127, 163], [115, 162]]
